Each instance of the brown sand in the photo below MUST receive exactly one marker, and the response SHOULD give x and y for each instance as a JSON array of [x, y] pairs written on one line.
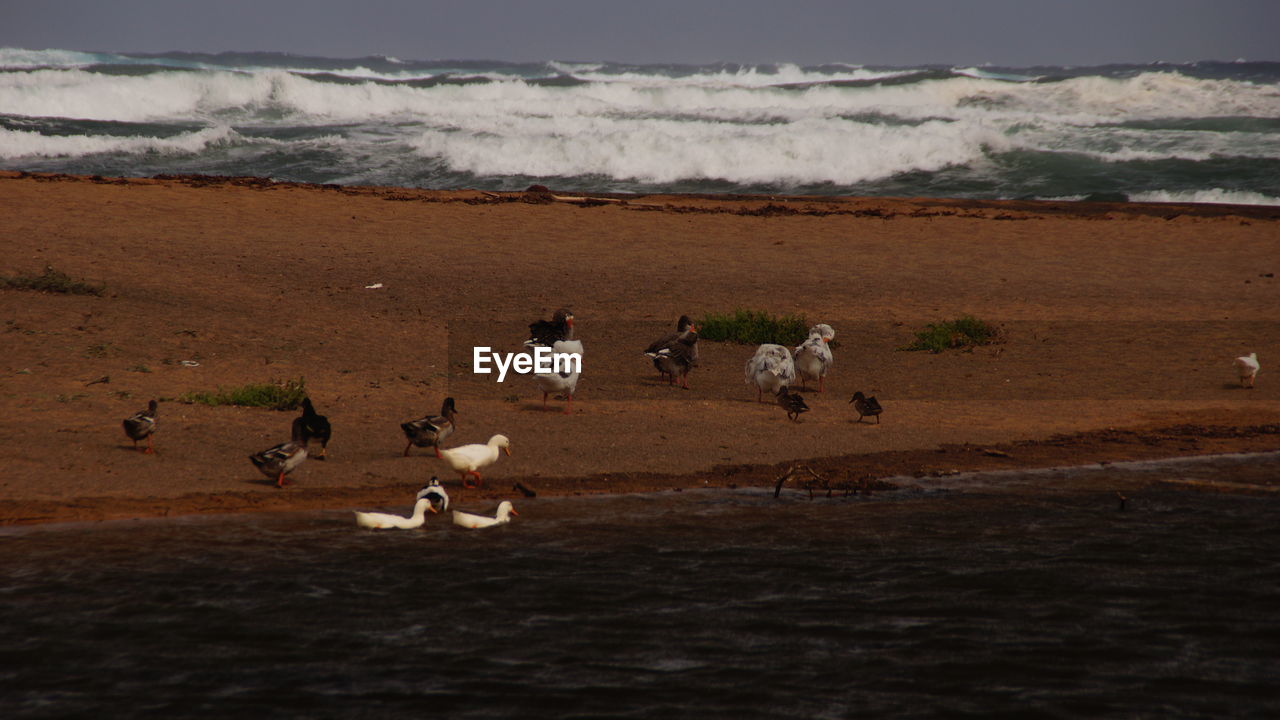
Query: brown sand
[[1116, 316]]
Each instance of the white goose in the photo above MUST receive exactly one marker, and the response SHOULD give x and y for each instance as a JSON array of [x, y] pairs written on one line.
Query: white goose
[[468, 459], [813, 357], [386, 521], [564, 382], [1247, 367], [769, 369], [468, 520]]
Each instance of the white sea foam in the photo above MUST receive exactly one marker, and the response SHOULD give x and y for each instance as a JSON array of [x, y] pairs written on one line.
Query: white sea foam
[[1213, 195], [22, 143]]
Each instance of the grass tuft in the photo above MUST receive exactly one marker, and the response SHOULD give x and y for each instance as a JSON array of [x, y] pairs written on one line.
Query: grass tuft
[[52, 281], [754, 328], [964, 331], [276, 395]]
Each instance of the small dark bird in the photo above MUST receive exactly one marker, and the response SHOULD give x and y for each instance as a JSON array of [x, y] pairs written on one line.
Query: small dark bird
[[866, 406], [792, 403], [316, 426], [280, 460], [548, 332], [142, 424], [676, 353], [432, 429]]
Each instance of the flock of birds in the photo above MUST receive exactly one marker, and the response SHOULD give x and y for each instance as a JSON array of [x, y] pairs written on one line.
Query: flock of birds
[[772, 369]]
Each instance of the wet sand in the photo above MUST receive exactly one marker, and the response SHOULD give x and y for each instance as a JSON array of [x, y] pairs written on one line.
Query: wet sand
[[1120, 323]]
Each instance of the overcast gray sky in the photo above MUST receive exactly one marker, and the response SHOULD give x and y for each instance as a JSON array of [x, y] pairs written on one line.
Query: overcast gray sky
[[891, 32]]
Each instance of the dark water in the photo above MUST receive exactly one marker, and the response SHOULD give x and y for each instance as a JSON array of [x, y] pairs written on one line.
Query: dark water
[[1014, 595]]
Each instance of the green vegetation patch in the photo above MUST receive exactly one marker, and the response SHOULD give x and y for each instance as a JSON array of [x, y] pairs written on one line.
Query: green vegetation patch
[[754, 327], [964, 331], [52, 281], [276, 395]]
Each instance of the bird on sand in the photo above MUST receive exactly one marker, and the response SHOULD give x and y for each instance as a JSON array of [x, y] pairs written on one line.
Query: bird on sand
[[316, 427], [769, 369], [280, 460], [434, 492], [562, 380], [792, 403], [548, 332], [142, 425], [468, 459], [676, 353], [431, 430], [1247, 368], [813, 357], [866, 406]]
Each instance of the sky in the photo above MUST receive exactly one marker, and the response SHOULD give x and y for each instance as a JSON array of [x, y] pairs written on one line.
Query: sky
[[882, 32]]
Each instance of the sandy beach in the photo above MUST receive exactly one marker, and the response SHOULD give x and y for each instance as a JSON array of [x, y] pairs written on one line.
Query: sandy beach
[[1121, 322]]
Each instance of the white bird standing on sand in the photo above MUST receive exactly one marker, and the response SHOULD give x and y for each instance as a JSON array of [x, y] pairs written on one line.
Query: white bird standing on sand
[[385, 521], [769, 369], [813, 357], [468, 459], [565, 380], [467, 520], [1247, 366]]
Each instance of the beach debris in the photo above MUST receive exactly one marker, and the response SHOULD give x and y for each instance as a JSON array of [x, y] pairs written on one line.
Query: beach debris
[[188, 363], [1247, 368], [992, 452], [375, 286], [472, 521], [866, 406], [103, 379], [142, 425]]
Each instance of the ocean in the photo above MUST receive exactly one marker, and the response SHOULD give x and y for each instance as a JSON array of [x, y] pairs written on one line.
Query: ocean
[[1012, 594], [1201, 132]]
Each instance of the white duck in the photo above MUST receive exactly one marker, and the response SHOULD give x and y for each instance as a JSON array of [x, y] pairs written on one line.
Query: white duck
[[468, 520], [436, 494], [1247, 366], [468, 459], [386, 521], [564, 382], [769, 369], [813, 357]]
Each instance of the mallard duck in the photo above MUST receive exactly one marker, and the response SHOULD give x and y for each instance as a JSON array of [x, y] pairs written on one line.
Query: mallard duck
[[434, 492], [468, 459], [547, 332], [1247, 367], [386, 521], [316, 426], [676, 353], [565, 381], [432, 429], [866, 406], [813, 357], [468, 520], [280, 460], [769, 369], [792, 403], [142, 424]]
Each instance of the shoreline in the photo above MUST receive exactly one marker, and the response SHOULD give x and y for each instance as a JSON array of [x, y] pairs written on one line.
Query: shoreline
[[845, 475], [1120, 315]]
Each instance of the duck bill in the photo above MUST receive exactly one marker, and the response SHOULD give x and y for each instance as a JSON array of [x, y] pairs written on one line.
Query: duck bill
[[508, 451]]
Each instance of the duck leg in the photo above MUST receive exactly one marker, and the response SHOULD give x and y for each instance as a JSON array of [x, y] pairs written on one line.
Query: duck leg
[[406, 448], [477, 482], [568, 407], [150, 450], [438, 455], [280, 479], [822, 383], [544, 400]]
